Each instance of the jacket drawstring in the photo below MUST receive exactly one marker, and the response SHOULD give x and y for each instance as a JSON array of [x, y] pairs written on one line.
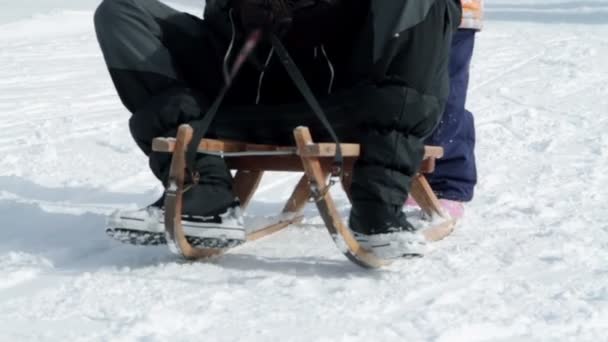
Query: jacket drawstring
[[332, 71], [269, 59], [262, 74], [230, 47]]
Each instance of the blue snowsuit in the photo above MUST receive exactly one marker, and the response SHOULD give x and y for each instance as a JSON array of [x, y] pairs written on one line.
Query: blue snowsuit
[[455, 175]]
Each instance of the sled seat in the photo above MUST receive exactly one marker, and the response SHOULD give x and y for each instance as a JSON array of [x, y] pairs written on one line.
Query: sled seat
[[250, 161], [243, 156]]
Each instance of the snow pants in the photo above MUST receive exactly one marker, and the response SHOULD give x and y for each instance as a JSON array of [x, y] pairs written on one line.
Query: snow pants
[[455, 174], [167, 69]]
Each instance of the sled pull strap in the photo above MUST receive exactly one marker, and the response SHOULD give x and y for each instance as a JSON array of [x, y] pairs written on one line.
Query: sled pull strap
[[303, 87], [201, 126]]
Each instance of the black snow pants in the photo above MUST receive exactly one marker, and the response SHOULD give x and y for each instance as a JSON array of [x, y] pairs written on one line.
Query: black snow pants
[[167, 68]]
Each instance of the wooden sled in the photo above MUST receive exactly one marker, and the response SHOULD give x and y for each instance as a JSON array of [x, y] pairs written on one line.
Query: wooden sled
[[315, 160]]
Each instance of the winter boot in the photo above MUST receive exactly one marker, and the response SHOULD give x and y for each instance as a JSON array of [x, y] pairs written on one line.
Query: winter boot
[[454, 208], [384, 230], [138, 227], [211, 216], [219, 226]]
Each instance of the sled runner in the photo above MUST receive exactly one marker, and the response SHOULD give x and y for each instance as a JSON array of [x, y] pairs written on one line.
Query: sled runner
[[315, 160]]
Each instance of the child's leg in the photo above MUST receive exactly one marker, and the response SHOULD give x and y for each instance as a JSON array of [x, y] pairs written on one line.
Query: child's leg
[[455, 175]]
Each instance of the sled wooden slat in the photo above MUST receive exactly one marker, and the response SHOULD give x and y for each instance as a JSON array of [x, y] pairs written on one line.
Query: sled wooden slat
[[213, 145], [266, 231], [329, 150], [433, 152], [439, 231], [299, 197], [421, 191], [272, 163], [294, 163], [244, 185], [424, 196]]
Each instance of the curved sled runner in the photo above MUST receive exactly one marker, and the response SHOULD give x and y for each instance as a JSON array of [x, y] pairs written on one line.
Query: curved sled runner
[[315, 159]]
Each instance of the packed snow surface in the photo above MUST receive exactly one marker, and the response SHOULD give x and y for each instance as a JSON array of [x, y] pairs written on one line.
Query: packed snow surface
[[528, 263]]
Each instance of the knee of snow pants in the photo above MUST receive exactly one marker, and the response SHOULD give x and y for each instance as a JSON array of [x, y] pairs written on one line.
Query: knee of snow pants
[[161, 117], [147, 44], [393, 121], [164, 113]]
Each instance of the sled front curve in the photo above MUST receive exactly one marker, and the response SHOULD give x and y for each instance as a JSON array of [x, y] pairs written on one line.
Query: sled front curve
[[176, 238], [425, 197]]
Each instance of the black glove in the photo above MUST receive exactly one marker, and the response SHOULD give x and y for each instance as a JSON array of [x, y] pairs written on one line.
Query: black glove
[[271, 16]]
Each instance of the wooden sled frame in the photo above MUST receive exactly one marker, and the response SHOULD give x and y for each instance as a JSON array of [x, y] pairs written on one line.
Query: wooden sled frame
[[315, 160]]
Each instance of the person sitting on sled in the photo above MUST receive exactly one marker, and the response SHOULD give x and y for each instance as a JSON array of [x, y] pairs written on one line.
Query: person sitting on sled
[[379, 68]]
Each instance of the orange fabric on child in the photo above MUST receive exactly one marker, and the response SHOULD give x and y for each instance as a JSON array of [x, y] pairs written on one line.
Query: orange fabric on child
[[472, 14]]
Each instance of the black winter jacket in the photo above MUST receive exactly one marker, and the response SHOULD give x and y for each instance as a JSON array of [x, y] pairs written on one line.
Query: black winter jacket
[[399, 72]]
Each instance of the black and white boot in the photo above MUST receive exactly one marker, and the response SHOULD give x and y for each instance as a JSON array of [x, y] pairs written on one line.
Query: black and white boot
[[216, 231], [386, 232], [146, 226], [395, 243]]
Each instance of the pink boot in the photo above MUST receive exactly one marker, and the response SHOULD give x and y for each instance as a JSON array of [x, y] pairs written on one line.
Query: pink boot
[[411, 202], [454, 208]]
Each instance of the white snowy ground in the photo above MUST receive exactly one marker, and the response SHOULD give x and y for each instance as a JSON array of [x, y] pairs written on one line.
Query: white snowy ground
[[529, 262]]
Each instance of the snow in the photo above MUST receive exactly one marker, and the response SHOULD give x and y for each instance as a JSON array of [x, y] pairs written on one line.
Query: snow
[[528, 263]]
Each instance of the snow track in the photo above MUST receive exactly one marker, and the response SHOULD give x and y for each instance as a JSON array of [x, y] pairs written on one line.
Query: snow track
[[529, 261]]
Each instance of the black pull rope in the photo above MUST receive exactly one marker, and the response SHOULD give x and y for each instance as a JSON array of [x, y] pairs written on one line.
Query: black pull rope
[[304, 88], [200, 127]]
